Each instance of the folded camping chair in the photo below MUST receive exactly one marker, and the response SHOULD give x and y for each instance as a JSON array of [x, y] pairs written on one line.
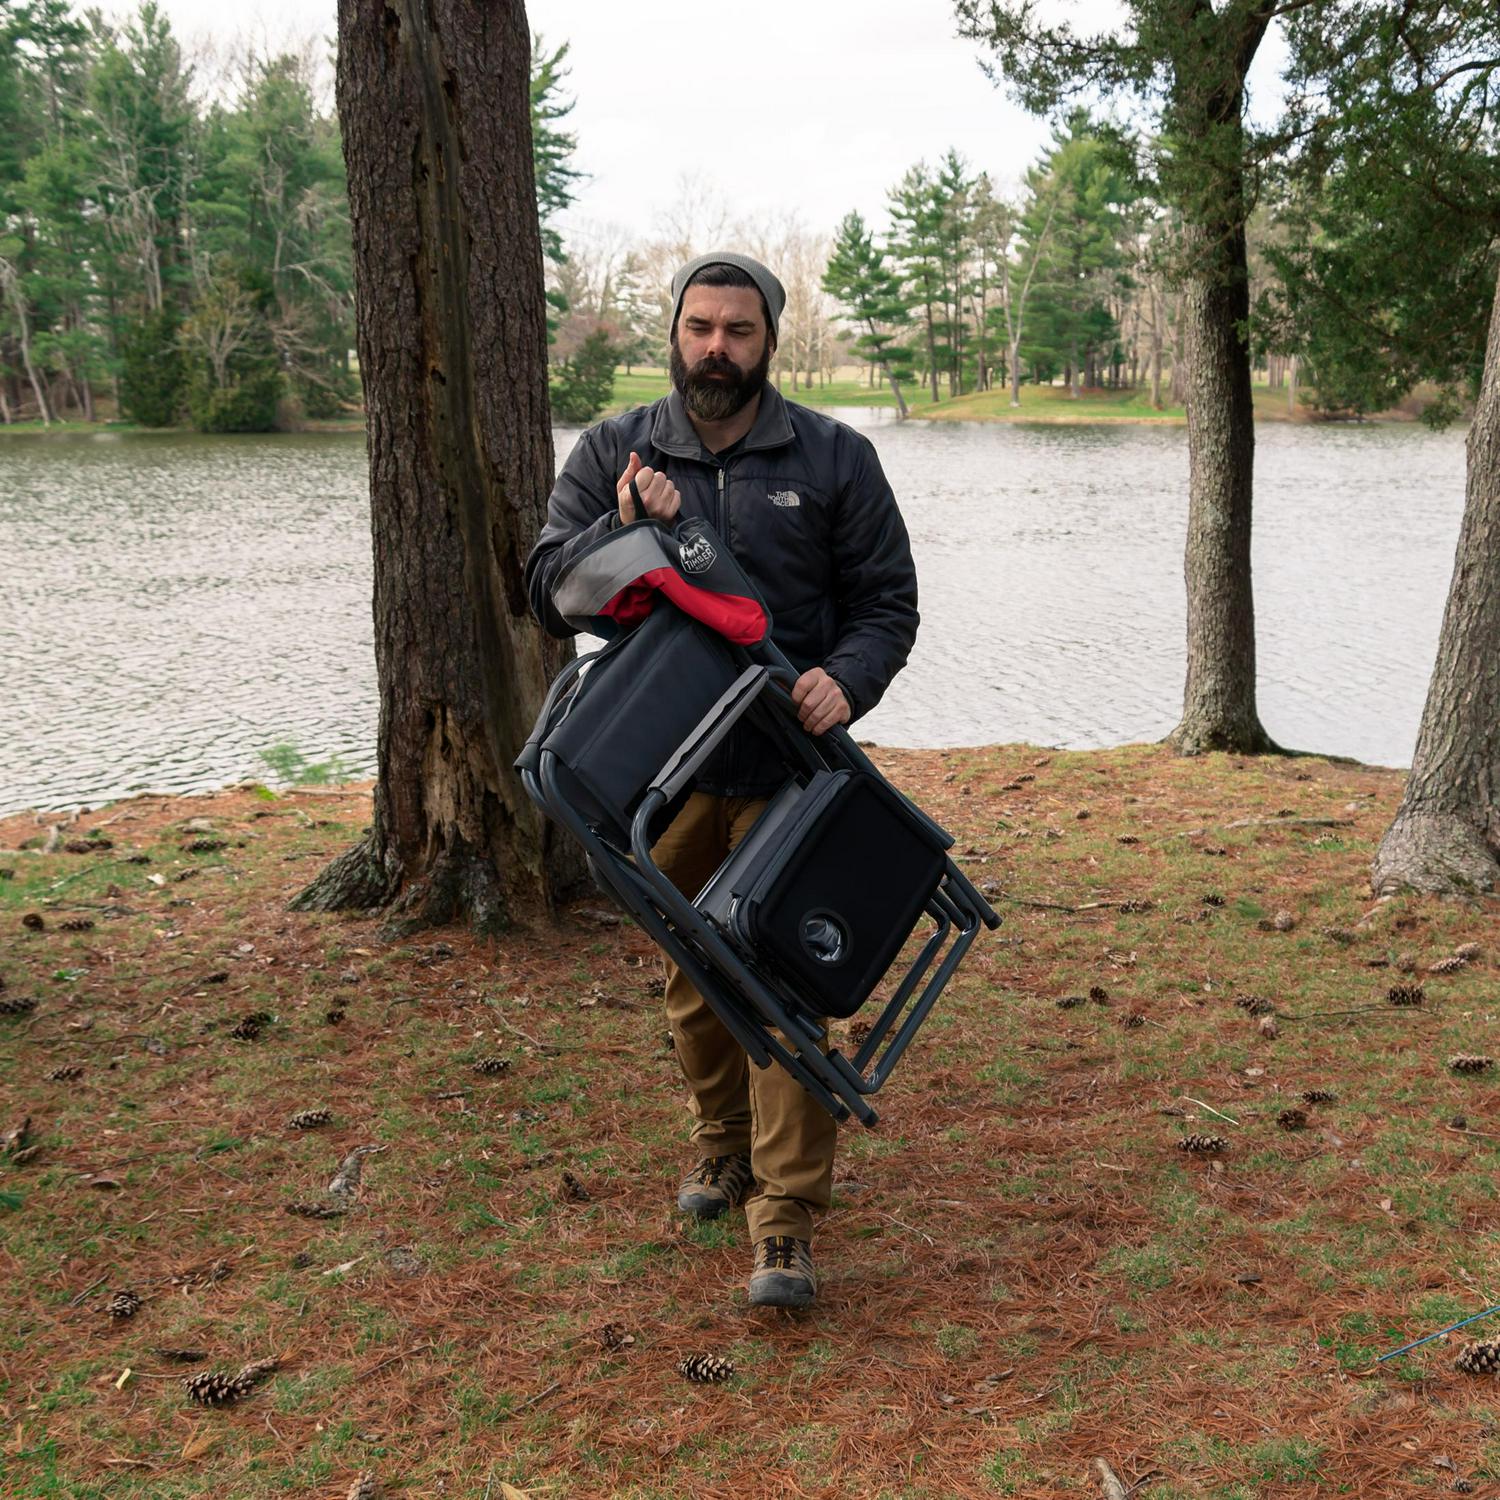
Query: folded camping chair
[[810, 911]]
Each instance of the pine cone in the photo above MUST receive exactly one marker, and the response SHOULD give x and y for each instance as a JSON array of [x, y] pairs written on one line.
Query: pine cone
[[76, 924], [1448, 965], [334, 1016], [1130, 907], [366, 1487], [1098, 994], [1212, 898], [211, 1388], [1202, 1143], [1069, 1002], [1465, 1062], [706, 1369], [1318, 1096], [306, 1210], [246, 1029], [257, 1370], [492, 1067], [1127, 839], [612, 1337], [1478, 1359], [1340, 935], [17, 1005], [1292, 1119], [573, 1190], [1468, 952], [204, 846], [68, 1073], [859, 1034], [1405, 994], [33, 922], [310, 1119], [1406, 963], [1132, 1021], [1255, 1005], [123, 1305], [655, 986], [1463, 1486]]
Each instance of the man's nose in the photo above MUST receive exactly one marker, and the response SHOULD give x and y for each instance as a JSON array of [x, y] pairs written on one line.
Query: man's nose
[[718, 342]]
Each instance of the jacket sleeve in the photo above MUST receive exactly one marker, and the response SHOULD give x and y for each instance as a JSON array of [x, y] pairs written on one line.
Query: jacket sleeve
[[581, 508], [875, 584]]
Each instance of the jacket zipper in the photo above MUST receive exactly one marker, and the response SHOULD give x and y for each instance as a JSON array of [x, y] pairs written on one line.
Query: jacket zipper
[[729, 767]]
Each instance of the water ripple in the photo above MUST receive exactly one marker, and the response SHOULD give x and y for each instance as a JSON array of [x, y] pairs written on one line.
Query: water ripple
[[171, 606]]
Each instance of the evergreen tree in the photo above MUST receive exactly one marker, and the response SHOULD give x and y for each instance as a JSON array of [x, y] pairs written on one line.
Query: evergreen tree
[[917, 243], [1185, 63], [582, 385], [858, 276]]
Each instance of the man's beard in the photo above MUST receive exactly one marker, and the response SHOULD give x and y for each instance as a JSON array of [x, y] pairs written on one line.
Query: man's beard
[[716, 388]]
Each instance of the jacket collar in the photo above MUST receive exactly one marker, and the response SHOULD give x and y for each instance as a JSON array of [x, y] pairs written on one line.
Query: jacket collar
[[672, 430]]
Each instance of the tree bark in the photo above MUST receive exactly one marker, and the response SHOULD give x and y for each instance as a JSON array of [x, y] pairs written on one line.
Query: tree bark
[[1219, 711], [1446, 833], [433, 97]]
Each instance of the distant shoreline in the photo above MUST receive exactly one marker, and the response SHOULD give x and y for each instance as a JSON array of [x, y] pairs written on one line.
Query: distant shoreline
[[1041, 405]]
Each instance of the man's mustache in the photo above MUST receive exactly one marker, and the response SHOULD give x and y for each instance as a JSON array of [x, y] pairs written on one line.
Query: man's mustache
[[712, 364]]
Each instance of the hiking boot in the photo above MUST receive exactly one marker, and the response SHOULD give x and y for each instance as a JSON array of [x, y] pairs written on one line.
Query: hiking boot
[[783, 1275], [715, 1185]]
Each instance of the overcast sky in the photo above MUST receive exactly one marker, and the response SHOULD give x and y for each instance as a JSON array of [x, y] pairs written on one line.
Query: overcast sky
[[801, 107]]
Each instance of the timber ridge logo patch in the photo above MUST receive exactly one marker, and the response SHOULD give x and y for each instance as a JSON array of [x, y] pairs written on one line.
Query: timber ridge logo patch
[[786, 498], [696, 555]]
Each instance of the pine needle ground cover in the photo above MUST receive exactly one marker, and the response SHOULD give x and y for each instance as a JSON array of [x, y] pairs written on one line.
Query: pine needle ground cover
[[1022, 1271]]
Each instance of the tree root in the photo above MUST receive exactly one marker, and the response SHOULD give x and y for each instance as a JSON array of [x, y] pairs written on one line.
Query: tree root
[[357, 880], [1437, 852]]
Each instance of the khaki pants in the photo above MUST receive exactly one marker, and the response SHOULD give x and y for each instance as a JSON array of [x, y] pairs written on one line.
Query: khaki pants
[[738, 1107]]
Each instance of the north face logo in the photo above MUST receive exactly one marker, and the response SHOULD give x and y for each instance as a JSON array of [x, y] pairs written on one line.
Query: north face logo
[[787, 498], [696, 555]]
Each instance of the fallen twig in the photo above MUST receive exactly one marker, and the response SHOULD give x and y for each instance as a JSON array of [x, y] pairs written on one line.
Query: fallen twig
[[1428, 1338], [1055, 905], [391, 1359], [1209, 1108], [540, 1396]]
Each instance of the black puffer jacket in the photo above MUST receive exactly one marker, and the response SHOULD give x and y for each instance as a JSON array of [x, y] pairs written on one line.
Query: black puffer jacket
[[806, 509]]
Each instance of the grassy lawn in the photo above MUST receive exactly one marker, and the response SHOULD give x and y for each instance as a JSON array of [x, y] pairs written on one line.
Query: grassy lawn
[[1021, 1271], [644, 386], [1052, 403], [1038, 403]]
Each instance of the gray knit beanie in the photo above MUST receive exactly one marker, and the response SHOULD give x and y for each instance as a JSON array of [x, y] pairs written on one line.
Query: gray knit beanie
[[770, 288]]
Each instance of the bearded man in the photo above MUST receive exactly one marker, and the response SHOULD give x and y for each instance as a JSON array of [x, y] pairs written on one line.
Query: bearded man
[[802, 503]]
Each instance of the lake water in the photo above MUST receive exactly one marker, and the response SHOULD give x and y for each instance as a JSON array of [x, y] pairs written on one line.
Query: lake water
[[171, 606]]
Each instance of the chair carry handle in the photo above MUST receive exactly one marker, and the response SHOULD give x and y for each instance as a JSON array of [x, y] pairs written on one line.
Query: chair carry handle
[[709, 732]]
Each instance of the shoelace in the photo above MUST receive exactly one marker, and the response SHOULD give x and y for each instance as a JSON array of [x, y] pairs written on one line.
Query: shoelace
[[779, 1253], [714, 1168]]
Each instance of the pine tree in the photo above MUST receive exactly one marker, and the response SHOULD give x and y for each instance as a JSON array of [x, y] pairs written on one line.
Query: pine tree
[[858, 276]]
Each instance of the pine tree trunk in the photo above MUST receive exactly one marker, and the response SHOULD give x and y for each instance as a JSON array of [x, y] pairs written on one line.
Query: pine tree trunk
[[1219, 711], [1446, 833], [434, 103]]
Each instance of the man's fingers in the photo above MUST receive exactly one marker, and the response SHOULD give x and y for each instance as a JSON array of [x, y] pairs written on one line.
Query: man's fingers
[[802, 687]]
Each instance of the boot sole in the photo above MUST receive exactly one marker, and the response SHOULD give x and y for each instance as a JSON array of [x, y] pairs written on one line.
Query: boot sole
[[782, 1291]]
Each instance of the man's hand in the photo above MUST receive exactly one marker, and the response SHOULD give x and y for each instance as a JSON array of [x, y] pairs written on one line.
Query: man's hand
[[820, 701], [658, 493]]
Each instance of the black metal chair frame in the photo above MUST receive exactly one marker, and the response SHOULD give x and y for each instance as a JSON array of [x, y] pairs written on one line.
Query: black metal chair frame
[[767, 1021]]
